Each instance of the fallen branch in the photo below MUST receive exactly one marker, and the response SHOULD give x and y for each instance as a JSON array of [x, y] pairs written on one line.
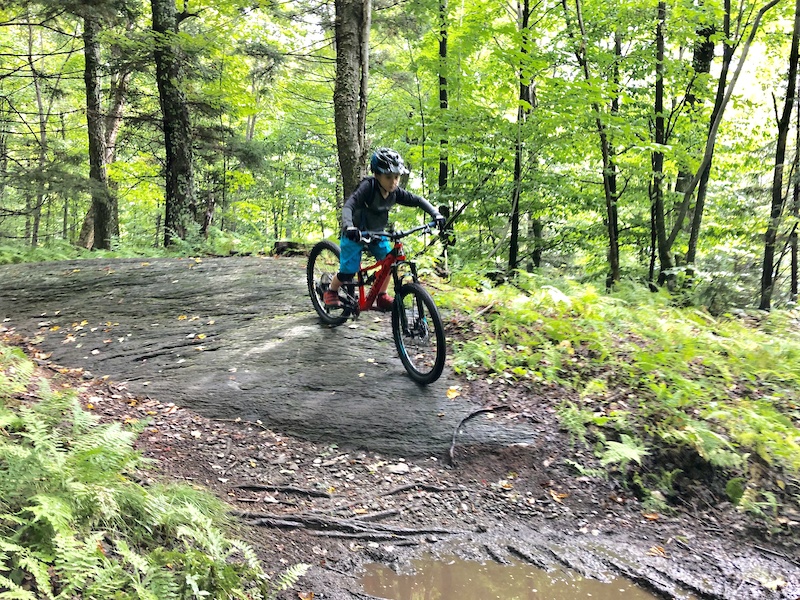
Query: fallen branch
[[475, 413], [776, 553]]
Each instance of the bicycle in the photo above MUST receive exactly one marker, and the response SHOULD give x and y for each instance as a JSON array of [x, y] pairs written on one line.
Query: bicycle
[[416, 324]]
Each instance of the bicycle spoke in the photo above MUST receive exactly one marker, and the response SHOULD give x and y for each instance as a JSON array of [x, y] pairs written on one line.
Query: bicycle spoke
[[323, 264]]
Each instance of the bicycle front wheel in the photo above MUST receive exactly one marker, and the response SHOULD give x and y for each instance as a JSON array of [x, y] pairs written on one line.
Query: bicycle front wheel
[[418, 333], [323, 264]]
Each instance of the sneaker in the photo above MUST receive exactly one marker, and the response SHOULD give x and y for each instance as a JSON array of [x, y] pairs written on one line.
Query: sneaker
[[384, 302], [331, 298]]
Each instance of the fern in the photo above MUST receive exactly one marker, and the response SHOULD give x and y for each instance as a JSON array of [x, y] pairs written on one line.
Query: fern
[[288, 579], [588, 471], [72, 524], [623, 452]]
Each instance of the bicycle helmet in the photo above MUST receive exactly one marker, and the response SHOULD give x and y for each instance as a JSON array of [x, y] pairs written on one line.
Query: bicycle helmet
[[386, 160]]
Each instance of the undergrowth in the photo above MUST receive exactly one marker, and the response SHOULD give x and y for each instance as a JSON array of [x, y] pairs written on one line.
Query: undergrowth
[[74, 522], [216, 243], [667, 396]]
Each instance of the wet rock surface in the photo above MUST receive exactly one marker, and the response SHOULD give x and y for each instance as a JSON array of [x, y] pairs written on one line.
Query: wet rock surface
[[234, 336], [330, 455]]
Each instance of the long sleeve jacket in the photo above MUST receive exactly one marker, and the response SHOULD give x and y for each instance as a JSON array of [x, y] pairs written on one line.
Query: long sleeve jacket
[[368, 210]]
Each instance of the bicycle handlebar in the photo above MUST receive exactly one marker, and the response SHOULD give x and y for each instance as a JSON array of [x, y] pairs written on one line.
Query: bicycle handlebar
[[366, 236]]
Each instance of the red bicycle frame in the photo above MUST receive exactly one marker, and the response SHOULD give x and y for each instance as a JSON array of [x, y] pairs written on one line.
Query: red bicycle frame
[[366, 301]]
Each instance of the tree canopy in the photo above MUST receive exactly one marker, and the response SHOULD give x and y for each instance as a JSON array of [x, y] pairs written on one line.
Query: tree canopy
[[623, 140]]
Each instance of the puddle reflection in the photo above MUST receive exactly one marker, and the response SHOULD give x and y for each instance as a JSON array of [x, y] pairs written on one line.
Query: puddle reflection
[[457, 579]]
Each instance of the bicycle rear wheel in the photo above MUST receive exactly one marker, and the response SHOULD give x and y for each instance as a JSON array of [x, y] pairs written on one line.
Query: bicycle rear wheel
[[418, 333], [323, 264]]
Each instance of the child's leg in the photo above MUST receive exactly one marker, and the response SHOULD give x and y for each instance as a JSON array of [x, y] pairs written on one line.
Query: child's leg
[[349, 262], [379, 250]]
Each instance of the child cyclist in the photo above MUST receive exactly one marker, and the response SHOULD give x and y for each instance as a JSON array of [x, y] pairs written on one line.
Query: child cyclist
[[367, 209]]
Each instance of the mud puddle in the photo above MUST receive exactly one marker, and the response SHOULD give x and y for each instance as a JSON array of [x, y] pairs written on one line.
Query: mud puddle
[[458, 579]]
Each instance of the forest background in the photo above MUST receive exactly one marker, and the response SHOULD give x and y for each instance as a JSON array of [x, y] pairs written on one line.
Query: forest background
[[647, 140], [647, 148]]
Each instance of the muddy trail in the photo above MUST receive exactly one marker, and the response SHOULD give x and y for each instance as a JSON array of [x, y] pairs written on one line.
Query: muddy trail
[[332, 456]]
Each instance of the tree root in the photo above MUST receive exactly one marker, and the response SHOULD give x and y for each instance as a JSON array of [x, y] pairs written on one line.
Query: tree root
[[475, 413], [419, 486], [283, 488], [331, 526]]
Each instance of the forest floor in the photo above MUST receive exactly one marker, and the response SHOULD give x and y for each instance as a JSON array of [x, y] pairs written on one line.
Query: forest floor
[[339, 509], [342, 506]]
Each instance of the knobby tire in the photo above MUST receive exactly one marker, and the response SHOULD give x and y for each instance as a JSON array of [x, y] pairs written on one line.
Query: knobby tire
[[418, 333], [323, 264]]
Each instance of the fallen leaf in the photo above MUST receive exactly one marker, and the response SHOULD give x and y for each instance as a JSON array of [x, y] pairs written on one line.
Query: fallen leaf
[[182, 317], [657, 551], [452, 392], [305, 596], [558, 496], [651, 516]]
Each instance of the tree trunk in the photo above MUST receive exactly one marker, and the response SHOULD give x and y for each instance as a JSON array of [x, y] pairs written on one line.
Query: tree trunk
[[778, 197], [443, 98], [657, 159], [179, 197], [795, 202], [350, 90], [608, 158], [35, 209], [525, 102], [702, 186], [719, 110], [101, 205], [112, 124], [702, 57]]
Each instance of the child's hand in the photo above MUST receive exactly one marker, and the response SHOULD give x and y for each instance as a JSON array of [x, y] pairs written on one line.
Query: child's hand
[[353, 234]]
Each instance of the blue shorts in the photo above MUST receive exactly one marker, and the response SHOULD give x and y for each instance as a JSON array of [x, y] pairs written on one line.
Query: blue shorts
[[350, 257]]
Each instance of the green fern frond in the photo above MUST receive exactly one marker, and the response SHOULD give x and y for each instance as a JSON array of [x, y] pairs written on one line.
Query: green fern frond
[[54, 511], [288, 579], [588, 471], [623, 452], [15, 371], [11, 591], [40, 572]]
